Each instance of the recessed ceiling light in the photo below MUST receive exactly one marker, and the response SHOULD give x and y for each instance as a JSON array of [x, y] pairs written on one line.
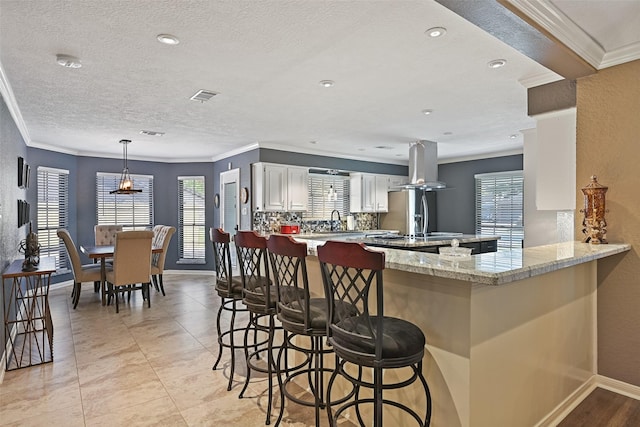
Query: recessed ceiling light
[[68, 61], [436, 32], [313, 142], [384, 147], [167, 39], [427, 112], [448, 133], [151, 133], [514, 136], [497, 63], [327, 83]]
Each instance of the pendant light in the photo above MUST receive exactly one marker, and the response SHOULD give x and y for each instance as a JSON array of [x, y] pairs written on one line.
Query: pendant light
[[126, 183]]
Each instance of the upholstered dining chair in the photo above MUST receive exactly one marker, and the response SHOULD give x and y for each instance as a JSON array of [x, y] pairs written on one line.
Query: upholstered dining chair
[[81, 273], [106, 234], [131, 264], [161, 237]]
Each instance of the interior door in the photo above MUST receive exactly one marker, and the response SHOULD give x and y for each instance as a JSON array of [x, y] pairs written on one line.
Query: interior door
[[229, 198]]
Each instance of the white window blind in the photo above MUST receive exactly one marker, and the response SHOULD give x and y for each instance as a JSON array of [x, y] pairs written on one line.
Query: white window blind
[[499, 207], [53, 213], [191, 219], [132, 211], [320, 204]]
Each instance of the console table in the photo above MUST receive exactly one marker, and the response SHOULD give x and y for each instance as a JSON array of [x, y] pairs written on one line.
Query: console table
[[27, 319]]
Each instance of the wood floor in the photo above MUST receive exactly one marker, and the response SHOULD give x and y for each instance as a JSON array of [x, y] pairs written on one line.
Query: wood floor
[[603, 408]]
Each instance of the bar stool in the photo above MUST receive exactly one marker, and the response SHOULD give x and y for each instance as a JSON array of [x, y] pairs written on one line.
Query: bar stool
[[300, 315], [372, 340], [259, 295], [229, 288]]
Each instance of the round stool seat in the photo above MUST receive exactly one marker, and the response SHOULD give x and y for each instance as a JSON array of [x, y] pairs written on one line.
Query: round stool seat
[[402, 341]]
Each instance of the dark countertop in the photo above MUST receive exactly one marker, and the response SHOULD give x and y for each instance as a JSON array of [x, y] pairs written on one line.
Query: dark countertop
[[419, 242], [365, 237]]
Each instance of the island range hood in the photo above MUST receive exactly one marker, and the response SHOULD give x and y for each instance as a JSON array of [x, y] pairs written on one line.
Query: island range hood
[[423, 167]]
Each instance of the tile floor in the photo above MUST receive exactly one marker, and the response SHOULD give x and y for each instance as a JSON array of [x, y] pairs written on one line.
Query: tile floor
[[140, 367]]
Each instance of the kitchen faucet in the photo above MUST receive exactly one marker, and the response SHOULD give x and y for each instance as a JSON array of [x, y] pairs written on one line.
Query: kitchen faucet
[[339, 220]]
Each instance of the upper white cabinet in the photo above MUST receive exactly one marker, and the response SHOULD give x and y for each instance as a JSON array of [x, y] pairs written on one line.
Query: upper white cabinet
[[279, 187], [368, 192], [397, 180]]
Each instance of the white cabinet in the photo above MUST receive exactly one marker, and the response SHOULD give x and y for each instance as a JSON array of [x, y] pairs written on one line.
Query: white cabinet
[[297, 188], [397, 180], [279, 187], [381, 190], [368, 192]]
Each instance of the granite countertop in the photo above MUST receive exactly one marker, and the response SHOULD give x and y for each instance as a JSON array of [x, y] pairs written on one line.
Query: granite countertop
[[493, 268], [420, 242], [392, 239]]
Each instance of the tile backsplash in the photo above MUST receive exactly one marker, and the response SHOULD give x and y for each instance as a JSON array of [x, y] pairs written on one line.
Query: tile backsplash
[[269, 222]]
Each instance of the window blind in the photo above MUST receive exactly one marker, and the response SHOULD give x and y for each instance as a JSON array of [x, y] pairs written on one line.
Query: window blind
[[191, 219], [320, 204], [500, 207], [132, 211], [52, 214]]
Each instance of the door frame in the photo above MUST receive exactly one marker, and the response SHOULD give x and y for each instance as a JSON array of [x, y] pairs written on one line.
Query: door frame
[[226, 177]]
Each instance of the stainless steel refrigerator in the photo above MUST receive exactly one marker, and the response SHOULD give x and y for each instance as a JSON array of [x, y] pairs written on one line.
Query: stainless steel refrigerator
[[411, 211]]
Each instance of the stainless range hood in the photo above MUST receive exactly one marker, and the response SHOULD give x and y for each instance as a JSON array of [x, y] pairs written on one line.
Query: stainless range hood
[[423, 167]]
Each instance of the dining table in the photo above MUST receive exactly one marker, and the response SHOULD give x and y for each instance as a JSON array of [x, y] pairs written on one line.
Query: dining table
[[102, 252]]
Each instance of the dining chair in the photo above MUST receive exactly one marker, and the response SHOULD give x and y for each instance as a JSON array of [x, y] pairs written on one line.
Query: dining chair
[[106, 234], [81, 273], [131, 264], [352, 277], [229, 289], [161, 237]]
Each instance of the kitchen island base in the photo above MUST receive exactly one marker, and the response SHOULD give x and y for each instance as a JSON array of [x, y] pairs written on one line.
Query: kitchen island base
[[497, 355]]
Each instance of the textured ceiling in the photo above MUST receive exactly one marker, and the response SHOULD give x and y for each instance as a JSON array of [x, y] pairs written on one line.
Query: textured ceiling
[[265, 59]]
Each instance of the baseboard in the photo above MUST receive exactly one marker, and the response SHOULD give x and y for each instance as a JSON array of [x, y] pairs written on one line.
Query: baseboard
[[573, 400], [194, 272], [568, 404], [8, 348], [619, 387]]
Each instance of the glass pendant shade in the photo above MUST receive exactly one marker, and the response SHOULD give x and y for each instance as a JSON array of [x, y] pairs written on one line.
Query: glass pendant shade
[[126, 183]]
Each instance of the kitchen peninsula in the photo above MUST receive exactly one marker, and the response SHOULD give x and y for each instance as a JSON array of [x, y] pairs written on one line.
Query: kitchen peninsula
[[511, 335]]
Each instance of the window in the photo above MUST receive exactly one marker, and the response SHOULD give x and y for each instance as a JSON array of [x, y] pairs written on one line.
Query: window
[[132, 211], [499, 207], [191, 221], [53, 213], [326, 193]]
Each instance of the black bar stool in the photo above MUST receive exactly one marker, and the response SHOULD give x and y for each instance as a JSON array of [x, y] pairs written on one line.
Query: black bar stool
[[229, 289], [259, 295], [300, 315], [349, 271]]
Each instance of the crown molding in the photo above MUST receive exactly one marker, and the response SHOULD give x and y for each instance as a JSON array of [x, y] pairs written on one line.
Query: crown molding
[[562, 28], [12, 105], [620, 56], [539, 79]]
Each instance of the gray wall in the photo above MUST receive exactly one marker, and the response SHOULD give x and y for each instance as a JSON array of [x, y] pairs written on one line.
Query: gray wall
[[12, 146], [456, 205]]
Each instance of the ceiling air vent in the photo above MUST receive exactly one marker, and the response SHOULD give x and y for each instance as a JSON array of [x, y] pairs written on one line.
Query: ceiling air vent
[[151, 133], [203, 95]]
